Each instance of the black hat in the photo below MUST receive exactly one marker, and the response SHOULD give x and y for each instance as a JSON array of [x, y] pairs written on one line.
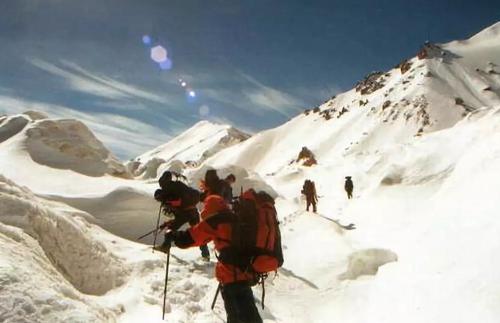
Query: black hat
[[231, 177], [211, 176], [165, 178]]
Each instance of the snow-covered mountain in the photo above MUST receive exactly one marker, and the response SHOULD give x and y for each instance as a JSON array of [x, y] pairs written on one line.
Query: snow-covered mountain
[[426, 93], [58, 144], [190, 148], [421, 142]]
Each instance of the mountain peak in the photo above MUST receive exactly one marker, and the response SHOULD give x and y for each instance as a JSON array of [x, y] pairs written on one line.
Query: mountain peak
[[488, 33], [57, 143], [204, 139]]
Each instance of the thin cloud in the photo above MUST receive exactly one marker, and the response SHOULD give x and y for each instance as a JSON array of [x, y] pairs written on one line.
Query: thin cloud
[[271, 98], [319, 94], [254, 97], [82, 80]]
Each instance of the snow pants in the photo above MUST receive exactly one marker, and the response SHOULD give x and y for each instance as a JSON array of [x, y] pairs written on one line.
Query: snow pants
[[311, 200], [239, 303]]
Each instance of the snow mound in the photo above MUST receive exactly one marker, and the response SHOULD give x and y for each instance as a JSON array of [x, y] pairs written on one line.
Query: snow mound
[[367, 262], [33, 291], [36, 115], [56, 267], [66, 239], [69, 144], [125, 212]]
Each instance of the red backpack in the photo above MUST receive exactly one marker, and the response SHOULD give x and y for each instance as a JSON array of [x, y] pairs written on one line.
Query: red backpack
[[256, 238]]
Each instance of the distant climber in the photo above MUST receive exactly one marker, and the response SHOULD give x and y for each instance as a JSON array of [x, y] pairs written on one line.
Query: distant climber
[[227, 189], [348, 186], [212, 184], [309, 190], [306, 156], [180, 200]]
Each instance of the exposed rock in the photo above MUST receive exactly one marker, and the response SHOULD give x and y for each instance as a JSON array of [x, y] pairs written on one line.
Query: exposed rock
[[404, 66], [363, 103], [430, 50], [306, 156], [36, 115], [371, 83], [191, 164], [344, 110], [326, 114], [69, 144], [10, 126]]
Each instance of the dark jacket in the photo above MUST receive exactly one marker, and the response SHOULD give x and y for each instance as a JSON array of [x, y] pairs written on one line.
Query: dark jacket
[[349, 186]]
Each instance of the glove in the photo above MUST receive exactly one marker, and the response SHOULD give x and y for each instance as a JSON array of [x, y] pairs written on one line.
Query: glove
[[170, 237], [167, 224], [167, 243]]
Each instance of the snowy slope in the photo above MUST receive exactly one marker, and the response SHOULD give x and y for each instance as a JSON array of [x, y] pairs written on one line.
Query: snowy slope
[[426, 172], [415, 200], [191, 147]]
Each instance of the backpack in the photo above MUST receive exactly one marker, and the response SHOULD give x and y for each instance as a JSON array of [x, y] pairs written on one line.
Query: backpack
[[306, 188], [256, 238], [226, 191], [190, 197]]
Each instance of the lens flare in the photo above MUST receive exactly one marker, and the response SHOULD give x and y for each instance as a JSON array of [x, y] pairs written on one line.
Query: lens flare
[[158, 54], [183, 84], [166, 64], [192, 93], [146, 39]]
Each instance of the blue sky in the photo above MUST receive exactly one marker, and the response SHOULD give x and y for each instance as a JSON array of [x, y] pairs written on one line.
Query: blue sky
[[252, 63]]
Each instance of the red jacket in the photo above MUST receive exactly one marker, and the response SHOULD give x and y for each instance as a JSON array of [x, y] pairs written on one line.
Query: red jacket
[[217, 228]]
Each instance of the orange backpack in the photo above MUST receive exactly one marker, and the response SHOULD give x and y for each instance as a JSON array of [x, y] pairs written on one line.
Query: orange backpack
[[256, 238]]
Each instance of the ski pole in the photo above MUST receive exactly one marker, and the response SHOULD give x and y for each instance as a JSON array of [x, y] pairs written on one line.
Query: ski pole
[[157, 226], [215, 296], [145, 235], [165, 288], [263, 294]]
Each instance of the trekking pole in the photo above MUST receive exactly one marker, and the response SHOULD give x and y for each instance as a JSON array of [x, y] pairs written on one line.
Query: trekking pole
[[145, 235], [157, 226], [263, 295], [216, 295], [165, 288]]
